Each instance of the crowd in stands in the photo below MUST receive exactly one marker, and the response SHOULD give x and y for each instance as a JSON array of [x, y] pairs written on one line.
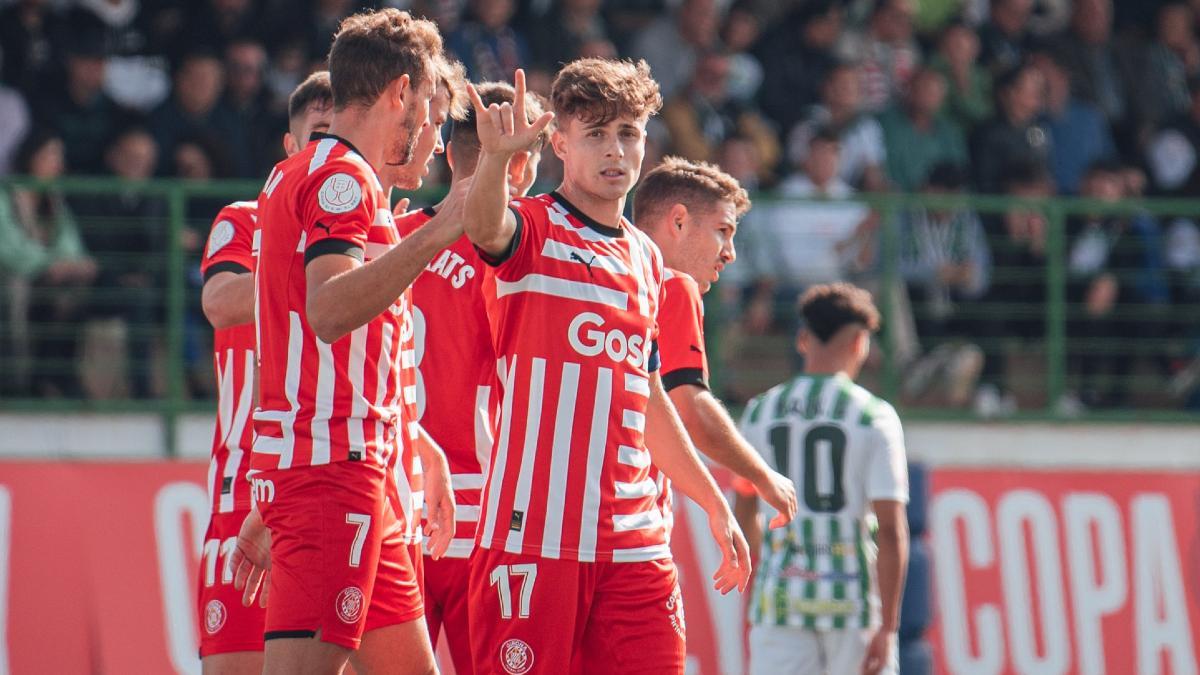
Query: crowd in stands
[[799, 98]]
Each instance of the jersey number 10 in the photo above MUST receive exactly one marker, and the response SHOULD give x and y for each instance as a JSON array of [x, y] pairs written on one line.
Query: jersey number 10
[[824, 446]]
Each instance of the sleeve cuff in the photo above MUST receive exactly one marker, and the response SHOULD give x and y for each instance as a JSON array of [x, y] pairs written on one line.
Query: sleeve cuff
[[224, 266], [329, 246], [682, 376], [498, 260]]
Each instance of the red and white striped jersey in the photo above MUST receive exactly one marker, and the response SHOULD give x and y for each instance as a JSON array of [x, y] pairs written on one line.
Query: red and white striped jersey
[[458, 394], [681, 350], [354, 399], [231, 249], [573, 309]]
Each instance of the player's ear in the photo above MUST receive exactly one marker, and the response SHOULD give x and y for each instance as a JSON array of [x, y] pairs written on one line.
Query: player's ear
[[290, 146], [516, 167], [559, 142], [450, 155], [676, 218], [397, 90], [803, 337]]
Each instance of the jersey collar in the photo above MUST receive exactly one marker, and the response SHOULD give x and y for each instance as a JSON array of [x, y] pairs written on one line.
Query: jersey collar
[[317, 135], [586, 219]]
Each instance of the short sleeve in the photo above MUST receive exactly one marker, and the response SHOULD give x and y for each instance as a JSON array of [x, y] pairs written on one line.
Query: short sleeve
[[337, 210], [887, 471], [682, 344], [531, 216], [230, 245]]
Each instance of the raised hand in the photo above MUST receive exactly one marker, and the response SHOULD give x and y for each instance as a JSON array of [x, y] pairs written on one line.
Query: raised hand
[[503, 129]]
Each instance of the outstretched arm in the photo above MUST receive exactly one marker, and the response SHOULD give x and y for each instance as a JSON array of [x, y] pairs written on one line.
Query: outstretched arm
[[503, 131], [671, 451]]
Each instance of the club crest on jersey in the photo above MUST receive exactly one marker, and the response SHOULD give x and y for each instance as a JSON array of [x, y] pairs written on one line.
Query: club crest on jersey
[[214, 616], [516, 657], [339, 193], [675, 609], [349, 604], [222, 233]]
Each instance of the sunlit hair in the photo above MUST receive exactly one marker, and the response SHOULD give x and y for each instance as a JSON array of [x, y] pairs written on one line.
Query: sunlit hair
[[696, 185], [597, 91], [372, 49], [313, 92], [452, 76]]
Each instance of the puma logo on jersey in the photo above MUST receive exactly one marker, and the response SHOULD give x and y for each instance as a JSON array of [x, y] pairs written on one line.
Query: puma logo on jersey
[[586, 263], [696, 349], [323, 226]]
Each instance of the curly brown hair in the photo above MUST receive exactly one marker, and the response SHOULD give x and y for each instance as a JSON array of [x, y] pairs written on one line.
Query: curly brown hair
[[452, 76], [372, 49], [827, 308], [697, 185], [597, 91]]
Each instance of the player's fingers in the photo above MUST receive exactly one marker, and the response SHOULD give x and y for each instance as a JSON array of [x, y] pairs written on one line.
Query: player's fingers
[[494, 115], [241, 569], [251, 588], [779, 520], [506, 118], [401, 207], [519, 98], [476, 100], [540, 123], [264, 589]]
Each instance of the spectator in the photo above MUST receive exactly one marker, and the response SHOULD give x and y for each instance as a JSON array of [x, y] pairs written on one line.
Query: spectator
[[487, 45], [1016, 133], [246, 96], [79, 110], [1005, 39], [1172, 60], [211, 25], [1116, 278], [27, 32], [797, 57], [558, 35], [1015, 301], [861, 162], [946, 265], [43, 257], [672, 44], [1171, 154], [126, 233], [195, 109], [136, 74], [886, 53], [739, 33], [969, 99], [1079, 134], [701, 116], [1091, 58], [918, 136], [15, 113]]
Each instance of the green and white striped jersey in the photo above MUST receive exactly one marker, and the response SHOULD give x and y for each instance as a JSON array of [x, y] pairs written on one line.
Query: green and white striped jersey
[[843, 448]]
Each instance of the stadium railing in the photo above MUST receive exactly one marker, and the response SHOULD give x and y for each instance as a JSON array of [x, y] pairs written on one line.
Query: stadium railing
[[1153, 344]]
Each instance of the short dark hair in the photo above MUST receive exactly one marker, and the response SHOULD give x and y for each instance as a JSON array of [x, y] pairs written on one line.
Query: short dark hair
[[372, 49], [697, 185], [315, 90], [464, 134], [828, 308], [825, 134]]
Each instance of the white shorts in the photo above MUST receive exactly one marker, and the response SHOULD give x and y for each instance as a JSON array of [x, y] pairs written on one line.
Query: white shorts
[[788, 650]]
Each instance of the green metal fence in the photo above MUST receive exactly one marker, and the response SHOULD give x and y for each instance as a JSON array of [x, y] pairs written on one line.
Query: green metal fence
[[178, 361]]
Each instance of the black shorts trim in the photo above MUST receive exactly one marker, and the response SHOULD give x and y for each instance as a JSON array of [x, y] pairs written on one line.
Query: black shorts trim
[[331, 246], [682, 376], [225, 266], [498, 260], [284, 634]]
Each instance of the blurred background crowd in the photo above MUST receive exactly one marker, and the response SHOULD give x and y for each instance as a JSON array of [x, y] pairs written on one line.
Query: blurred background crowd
[[807, 102]]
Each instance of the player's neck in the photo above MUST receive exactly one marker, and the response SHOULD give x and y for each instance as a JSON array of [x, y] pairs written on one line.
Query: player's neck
[[353, 126], [826, 365], [607, 212]]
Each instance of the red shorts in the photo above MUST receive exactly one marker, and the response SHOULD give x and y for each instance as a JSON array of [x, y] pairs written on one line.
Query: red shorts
[[446, 607], [537, 615], [339, 563], [225, 625]]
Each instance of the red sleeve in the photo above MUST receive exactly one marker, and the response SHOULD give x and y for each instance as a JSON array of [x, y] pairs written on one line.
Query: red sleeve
[[681, 335], [230, 246], [413, 220], [337, 207], [532, 219]]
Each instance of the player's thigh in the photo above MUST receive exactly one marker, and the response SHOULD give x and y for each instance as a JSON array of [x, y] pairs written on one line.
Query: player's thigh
[[446, 589], [847, 648], [526, 613], [398, 649], [232, 663], [226, 626], [328, 524], [786, 650], [636, 623], [303, 656]]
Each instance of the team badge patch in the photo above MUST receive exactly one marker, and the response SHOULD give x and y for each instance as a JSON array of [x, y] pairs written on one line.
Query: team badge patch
[[516, 657], [675, 609], [349, 604], [222, 233], [214, 616], [339, 193]]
